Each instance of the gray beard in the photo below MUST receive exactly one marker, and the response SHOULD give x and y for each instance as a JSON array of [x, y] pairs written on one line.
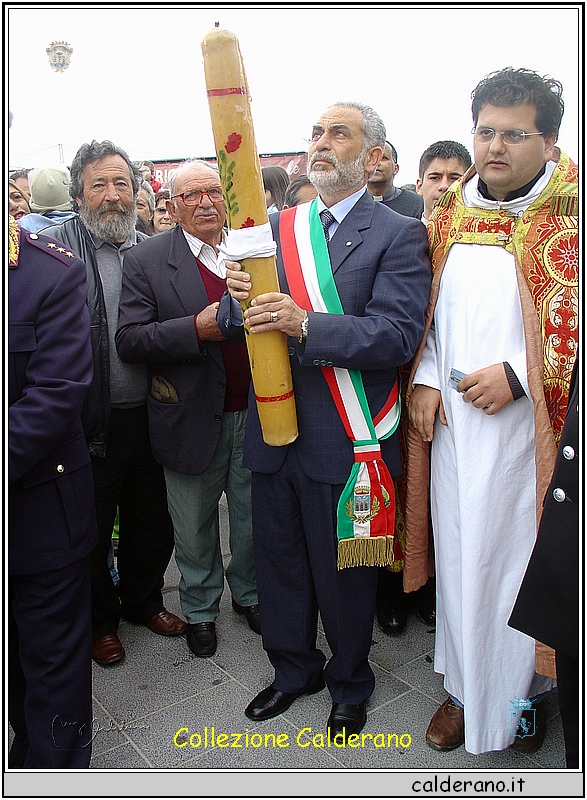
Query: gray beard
[[345, 177], [114, 229]]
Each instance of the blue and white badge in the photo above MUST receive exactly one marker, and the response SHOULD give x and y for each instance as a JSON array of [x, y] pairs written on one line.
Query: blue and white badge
[[455, 377]]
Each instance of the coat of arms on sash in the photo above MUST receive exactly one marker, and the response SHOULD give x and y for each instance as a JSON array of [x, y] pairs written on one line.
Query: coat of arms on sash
[[359, 508], [59, 55]]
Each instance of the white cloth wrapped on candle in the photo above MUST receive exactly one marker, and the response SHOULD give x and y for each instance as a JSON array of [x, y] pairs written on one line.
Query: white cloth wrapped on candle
[[254, 242]]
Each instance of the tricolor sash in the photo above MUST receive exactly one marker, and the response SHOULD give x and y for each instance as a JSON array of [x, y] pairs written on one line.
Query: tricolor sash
[[366, 508]]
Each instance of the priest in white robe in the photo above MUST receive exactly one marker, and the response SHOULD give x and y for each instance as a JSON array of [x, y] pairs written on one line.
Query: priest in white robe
[[488, 391]]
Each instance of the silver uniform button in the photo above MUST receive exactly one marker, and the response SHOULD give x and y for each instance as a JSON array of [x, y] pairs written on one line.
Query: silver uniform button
[[34, 236], [559, 495], [568, 453], [60, 468]]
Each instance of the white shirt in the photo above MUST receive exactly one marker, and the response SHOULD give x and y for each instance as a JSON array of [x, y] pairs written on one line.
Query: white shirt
[[340, 210], [206, 254]]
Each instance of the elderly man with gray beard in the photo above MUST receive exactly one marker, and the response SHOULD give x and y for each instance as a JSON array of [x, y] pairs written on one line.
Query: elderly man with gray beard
[[104, 187], [365, 322]]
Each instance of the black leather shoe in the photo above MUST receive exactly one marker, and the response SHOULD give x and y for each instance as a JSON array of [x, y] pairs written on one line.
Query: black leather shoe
[[391, 620], [201, 639], [425, 598], [271, 703], [252, 615], [427, 613], [347, 719]]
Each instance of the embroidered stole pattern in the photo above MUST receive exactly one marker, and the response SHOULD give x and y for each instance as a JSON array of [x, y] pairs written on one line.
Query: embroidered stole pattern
[[544, 240]]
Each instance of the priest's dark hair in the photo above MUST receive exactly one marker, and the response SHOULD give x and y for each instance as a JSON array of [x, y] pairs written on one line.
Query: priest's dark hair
[[516, 87]]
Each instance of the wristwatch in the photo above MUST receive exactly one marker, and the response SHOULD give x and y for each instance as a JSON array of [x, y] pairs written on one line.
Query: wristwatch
[[304, 325]]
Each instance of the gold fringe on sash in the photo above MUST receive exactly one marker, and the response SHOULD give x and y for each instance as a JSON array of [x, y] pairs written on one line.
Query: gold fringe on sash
[[367, 551]]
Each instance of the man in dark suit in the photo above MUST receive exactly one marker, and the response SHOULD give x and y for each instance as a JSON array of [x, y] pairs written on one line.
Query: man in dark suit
[[382, 274], [51, 520], [547, 606], [380, 184], [198, 388]]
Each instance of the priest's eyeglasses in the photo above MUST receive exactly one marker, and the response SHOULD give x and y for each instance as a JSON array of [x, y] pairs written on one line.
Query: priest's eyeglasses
[[487, 135], [194, 198]]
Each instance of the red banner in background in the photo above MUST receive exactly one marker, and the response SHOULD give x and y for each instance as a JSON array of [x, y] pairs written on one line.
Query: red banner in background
[[293, 163]]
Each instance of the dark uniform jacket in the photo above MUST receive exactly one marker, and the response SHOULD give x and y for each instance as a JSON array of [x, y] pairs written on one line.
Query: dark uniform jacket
[[51, 497], [547, 607]]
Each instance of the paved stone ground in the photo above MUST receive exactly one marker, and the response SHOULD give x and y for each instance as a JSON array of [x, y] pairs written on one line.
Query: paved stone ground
[[140, 705]]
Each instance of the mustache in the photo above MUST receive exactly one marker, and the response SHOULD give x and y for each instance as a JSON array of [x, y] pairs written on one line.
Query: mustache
[[324, 155], [120, 207]]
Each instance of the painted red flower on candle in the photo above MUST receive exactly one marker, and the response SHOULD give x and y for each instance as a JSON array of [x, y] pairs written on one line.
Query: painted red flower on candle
[[233, 143], [248, 223]]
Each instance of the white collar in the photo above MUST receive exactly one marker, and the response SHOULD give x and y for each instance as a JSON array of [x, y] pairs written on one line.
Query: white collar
[[473, 197], [341, 209], [206, 254]]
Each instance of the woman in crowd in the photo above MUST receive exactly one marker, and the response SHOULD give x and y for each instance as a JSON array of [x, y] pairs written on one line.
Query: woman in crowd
[[162, 220], [145, 209], [18, 201], [275, 182]]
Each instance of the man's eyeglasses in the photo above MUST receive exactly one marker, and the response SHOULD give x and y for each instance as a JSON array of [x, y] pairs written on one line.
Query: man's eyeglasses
[[194, 198], [487, 135]]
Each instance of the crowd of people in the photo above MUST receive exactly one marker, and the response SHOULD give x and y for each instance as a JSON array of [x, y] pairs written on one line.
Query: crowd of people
[[432, 336]]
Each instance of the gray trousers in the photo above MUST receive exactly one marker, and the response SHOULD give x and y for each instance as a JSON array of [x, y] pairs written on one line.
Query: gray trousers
[[193, 505]]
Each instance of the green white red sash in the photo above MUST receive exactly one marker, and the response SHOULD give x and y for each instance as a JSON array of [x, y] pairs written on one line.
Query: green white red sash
[[366, 509]]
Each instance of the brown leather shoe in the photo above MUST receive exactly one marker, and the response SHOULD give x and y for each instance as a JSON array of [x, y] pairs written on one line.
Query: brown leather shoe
[[447, 727], [167, 624], [107, 650], [531, 742]]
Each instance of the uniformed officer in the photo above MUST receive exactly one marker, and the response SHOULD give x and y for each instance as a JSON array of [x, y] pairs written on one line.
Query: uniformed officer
[[51, 520], [547, 606]]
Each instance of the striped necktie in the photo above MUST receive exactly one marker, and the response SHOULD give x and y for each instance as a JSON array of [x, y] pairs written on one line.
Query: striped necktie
[[327, 219]]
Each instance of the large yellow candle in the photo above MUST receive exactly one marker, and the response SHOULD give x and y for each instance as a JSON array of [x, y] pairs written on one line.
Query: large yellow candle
[[240, 175]]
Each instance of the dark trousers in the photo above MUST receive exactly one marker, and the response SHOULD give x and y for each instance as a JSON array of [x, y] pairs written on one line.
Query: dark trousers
[[390, 591], [130, 478], [295, 556], [567, 676], [50, 668]]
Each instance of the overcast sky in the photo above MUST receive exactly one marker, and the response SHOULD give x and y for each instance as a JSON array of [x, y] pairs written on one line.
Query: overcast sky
[[136, 74]]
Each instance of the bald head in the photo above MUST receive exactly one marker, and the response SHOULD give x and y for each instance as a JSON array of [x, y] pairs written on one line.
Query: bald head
[[191, 207]]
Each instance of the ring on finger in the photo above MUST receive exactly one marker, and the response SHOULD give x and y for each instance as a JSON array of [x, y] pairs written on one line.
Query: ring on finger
[[273, 316]]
